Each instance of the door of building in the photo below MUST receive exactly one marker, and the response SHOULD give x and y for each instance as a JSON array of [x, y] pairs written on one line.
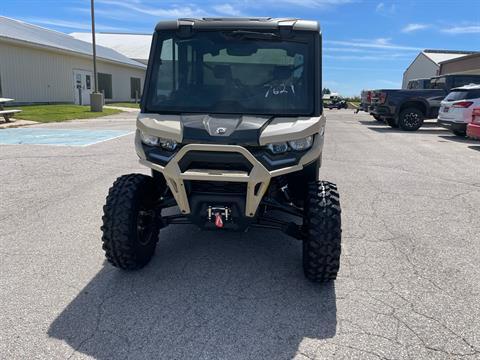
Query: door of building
[[82, 83]]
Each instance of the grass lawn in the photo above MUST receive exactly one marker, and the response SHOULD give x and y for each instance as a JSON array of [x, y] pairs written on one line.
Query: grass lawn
[[125, 104], [55, 113]]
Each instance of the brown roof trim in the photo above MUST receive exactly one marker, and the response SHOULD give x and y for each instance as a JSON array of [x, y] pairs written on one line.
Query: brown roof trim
[[472, 55]]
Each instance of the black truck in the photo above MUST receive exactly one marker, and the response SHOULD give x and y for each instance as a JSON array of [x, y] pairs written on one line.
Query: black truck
[[407, 109]]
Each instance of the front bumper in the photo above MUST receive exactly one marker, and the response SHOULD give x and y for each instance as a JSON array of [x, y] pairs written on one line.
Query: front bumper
[[257, 178]]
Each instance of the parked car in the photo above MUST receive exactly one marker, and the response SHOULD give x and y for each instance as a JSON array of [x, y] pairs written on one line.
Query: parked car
[[456, 109], [337, 103], [419, 83], [366, 103], [407, 109], [473, 129], [365, 100]]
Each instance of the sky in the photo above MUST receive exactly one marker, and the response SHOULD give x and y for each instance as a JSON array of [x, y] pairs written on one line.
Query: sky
[[366, 43]]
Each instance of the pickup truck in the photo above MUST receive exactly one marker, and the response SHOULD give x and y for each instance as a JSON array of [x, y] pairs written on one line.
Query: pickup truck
[[365, 100], [407, 109]]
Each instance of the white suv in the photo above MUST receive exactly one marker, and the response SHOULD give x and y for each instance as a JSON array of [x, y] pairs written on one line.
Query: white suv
[[456, 109]]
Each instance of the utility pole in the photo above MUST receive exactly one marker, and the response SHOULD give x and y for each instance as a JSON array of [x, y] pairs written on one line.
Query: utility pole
[[96, 98], [92, 6]]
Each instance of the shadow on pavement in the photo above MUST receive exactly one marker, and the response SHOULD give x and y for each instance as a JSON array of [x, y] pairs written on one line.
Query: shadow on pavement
[[459, 139], [371, 122], [474, 148], [422, 130], [235, 296]]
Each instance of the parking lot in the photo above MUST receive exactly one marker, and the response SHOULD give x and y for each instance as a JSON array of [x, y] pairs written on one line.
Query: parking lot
[[408, 287]]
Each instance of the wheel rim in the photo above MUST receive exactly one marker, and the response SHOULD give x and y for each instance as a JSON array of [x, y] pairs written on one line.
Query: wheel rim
[[145, 226], [412, 120]]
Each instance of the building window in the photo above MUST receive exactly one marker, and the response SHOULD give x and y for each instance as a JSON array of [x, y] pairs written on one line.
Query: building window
[[1, 92], [105, 85], [135, 91]]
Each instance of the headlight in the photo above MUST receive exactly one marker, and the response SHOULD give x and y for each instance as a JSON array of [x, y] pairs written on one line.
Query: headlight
[[168, 144], [149, 140], [302, 144], [297, 145], [278, 148]]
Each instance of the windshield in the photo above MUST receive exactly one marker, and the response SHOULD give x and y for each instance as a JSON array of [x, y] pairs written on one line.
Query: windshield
[[419, 84], [456, 95], [463, 95], [232, 72]]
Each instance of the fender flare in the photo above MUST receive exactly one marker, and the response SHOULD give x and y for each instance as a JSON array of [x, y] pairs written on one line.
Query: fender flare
[[422, 101]]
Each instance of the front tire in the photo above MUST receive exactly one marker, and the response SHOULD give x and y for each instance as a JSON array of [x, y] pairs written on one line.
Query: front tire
[[323, 232], [461, 133], [130, 227], [410, 119]]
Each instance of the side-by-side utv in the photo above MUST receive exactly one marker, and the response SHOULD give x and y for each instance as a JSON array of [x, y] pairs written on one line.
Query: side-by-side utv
[[232, 128]]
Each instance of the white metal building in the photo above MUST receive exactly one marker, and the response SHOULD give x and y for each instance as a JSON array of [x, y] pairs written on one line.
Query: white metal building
[[38, 65], [134, 46], [427, 64]]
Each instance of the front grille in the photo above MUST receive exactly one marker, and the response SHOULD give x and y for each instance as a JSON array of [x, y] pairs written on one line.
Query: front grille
[[206, 160], [217, 187]]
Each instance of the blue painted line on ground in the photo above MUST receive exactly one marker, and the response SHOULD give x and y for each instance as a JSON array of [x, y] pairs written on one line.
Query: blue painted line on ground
[[58, 137]]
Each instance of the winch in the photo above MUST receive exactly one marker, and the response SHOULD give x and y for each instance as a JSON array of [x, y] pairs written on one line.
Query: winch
[[219, 214]]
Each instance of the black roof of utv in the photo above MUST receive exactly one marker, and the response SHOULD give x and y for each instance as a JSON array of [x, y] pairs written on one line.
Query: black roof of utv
[[264, 23]]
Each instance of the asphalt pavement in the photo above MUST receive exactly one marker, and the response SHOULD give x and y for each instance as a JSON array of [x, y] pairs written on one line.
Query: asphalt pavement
[[408, 287]]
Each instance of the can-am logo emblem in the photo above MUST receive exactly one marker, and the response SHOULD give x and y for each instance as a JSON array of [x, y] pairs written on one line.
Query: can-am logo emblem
[[221, 130]]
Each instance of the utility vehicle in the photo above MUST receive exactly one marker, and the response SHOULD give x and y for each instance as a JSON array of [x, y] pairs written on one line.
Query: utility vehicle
[[231, 126]]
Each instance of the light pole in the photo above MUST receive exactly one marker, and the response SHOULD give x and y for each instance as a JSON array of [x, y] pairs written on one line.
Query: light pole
[[96, 98]]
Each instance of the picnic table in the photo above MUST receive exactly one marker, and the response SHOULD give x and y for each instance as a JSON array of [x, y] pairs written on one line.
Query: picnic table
[[7, 114]]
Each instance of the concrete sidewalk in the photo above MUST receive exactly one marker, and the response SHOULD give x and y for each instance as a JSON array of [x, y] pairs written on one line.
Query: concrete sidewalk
[[126, 109], [13, 123]]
